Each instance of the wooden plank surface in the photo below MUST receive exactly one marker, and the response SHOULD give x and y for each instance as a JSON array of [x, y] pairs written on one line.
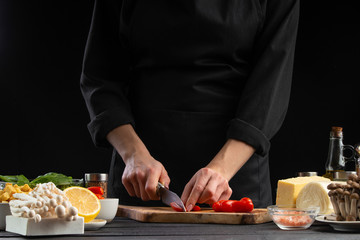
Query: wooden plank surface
[[127, 229], [166, 214]]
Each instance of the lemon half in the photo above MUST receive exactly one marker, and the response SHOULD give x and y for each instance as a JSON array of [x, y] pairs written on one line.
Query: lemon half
[[85, 201]]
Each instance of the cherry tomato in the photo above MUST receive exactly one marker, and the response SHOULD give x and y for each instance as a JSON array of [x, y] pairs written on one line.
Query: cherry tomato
[[226, 206], [244, 205], [196, 208], [176, 207], [217, 206], [97, 190]]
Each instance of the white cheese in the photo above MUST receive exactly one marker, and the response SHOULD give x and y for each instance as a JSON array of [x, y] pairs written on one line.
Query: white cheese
[[288, 189]]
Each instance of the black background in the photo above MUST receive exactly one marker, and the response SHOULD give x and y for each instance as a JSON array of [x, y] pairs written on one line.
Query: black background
[[43, 116]]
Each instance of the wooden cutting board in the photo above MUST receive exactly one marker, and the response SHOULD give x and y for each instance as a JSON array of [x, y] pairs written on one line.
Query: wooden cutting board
[[167, 214]]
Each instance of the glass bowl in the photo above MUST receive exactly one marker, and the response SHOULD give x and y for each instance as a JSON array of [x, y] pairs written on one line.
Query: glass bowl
[[293, 218]]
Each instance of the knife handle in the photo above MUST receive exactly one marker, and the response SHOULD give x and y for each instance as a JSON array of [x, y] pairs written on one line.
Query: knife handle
[[159, 186]]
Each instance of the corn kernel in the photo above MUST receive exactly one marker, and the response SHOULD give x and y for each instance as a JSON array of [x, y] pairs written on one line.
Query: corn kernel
[[25, 188], [5, 196]]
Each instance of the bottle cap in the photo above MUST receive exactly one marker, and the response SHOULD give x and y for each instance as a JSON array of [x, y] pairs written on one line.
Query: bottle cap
[[336, 132], [96, 177], [336, 129], [306, 174]]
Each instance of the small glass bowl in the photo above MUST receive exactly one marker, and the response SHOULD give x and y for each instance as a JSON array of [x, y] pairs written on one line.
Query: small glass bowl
[[293, 218]]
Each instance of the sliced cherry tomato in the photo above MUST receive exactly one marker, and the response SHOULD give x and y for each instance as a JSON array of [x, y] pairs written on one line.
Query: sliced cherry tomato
[[176, 207], [217, 206], [196, 208], [244, 205], [97, 190], [226, 206]]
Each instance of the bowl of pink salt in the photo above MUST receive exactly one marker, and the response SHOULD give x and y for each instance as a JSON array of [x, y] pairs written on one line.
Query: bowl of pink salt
[[293, 218]]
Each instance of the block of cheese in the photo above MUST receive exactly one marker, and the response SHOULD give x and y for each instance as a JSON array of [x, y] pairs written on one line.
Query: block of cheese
[[315, 194], [47, 226], [288, 189]]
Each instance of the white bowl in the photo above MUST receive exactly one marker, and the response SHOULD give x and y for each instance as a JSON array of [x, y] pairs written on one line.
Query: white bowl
[[4, 210], [109, 207]]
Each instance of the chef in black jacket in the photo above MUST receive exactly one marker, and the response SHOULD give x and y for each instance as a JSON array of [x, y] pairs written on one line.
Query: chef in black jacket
[[191, 90]]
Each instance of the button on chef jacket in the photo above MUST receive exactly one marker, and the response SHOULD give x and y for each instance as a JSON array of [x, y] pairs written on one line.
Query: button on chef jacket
[[188, 75]]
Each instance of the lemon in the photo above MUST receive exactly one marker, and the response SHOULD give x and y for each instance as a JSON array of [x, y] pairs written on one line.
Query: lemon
[[85, 201]]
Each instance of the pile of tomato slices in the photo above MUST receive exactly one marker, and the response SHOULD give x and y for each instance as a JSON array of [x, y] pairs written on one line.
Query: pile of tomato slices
[[243, 205]]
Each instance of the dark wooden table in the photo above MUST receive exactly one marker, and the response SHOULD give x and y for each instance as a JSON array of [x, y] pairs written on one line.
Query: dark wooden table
[[122, 228]]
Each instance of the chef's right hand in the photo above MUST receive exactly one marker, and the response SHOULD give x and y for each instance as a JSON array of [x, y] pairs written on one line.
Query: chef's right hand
[[142, 172], [141, 176]]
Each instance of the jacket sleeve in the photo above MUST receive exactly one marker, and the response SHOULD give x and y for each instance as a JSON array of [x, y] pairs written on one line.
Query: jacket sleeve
[[104, 77], [264, 100]]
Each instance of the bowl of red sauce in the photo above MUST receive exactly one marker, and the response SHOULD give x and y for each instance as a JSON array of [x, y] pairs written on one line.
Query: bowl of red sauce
[[293, 218]]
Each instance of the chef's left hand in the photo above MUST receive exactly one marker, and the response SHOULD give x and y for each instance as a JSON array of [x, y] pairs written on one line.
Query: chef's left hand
[[210, 184], [206, 186]]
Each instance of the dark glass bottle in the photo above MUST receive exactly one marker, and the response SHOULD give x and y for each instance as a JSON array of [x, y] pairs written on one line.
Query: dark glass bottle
[[336, 160], [357, 158]]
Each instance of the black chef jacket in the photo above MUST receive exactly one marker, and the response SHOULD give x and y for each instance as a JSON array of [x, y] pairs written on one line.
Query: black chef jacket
[[188, 75]]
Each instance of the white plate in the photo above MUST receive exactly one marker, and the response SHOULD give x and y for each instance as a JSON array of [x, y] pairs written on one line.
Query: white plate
[[346, 226], [95, 224]]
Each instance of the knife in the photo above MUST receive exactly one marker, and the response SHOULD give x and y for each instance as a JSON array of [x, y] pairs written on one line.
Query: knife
[[168, 196]]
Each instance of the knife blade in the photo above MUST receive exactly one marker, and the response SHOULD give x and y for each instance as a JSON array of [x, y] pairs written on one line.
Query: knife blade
[[169, 197]]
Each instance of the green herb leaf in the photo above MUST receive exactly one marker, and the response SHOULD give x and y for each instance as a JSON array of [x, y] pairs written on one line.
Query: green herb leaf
[[22, 180], [15, 179], [57, 178]]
